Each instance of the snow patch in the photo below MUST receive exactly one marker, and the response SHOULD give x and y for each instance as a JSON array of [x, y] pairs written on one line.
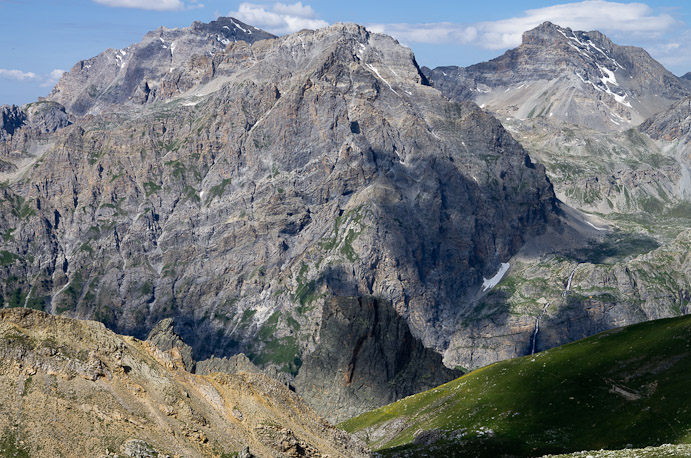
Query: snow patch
[[376, 72], [238, 26], [489, 283], [609, 77], [594, 226]]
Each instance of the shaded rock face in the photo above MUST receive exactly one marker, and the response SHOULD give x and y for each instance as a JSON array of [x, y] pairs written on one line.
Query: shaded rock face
[[139, 74], [314, 165], [61, 377], [576, 77], [366, 358], [672, 129], [11, 119], [671, 124]]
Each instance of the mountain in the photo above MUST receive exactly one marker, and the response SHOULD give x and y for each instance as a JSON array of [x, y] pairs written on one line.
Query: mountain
[[575, 77], [156, 68], [631, 183], [73, 388], [280, 181], [620, 389], [572, 99]]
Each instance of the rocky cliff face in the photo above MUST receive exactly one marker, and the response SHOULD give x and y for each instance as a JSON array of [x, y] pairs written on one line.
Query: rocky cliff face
[[281, 175], [73, 388], [11, 119], [672, 130], [366, 357], [575, 77]]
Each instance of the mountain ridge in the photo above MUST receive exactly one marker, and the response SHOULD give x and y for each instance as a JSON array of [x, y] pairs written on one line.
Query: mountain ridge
[[607, 87], [288, 172]]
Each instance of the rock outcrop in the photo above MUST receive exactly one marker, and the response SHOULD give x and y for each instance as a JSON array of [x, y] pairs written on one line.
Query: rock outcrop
[[11, 119], [73, 388], [366, 358]]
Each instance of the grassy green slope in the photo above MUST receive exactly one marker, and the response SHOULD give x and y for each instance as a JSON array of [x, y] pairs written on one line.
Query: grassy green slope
[[624, 387]]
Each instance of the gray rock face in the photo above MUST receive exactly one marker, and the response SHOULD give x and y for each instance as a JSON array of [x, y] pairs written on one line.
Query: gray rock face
[[233, 365], [42, 116], [163, 336], [671, 124], [11, 119], [135, 75], [672, 129], [576, 77], [292, 171], [366, 358]]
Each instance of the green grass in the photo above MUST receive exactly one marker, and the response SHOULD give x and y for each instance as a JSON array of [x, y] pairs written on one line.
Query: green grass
[[7, 258], [218, 190], [11, 447], [558, 401], [616, 247]]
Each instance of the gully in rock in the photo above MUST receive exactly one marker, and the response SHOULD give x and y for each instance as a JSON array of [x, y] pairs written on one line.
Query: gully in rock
[[537, 328], [568, 282]]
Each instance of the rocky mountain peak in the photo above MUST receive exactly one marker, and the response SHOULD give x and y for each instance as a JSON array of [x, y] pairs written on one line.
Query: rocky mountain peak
[[548, 34], [242, 190], [578, 77], [118, 78]]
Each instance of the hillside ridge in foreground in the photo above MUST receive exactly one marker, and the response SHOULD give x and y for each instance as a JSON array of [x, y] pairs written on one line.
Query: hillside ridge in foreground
[[623, 388], [72, 388]]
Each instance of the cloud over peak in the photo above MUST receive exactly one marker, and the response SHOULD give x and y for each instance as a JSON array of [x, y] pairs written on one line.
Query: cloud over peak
[[279, 18], [612, 17], [48, 80], [17, 75]]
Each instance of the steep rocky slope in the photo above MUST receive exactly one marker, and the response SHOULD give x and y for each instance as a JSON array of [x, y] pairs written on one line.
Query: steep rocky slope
[[281, 175], [672, 129], [549, 300], [620, 389], [73, 388], [149, 70]]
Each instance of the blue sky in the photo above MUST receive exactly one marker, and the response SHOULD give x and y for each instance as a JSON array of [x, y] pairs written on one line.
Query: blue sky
[[41, 38]]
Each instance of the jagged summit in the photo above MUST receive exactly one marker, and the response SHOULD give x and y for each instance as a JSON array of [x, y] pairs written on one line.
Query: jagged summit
[[582, 78], [137, 74]]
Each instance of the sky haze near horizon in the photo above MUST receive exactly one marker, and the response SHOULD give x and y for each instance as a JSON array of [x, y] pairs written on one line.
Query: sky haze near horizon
[[39, 39]]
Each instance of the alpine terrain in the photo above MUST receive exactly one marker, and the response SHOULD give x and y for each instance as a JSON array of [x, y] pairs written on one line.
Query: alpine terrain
[[315, 218]]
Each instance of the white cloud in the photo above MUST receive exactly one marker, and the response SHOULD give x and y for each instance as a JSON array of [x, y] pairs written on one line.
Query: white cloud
[[48, 80], [52, 78], [17, 75], [156, 5], [609, 17], [279, 18]]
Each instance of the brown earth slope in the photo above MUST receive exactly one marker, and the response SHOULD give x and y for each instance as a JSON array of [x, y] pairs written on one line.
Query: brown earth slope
[[74, 388]]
